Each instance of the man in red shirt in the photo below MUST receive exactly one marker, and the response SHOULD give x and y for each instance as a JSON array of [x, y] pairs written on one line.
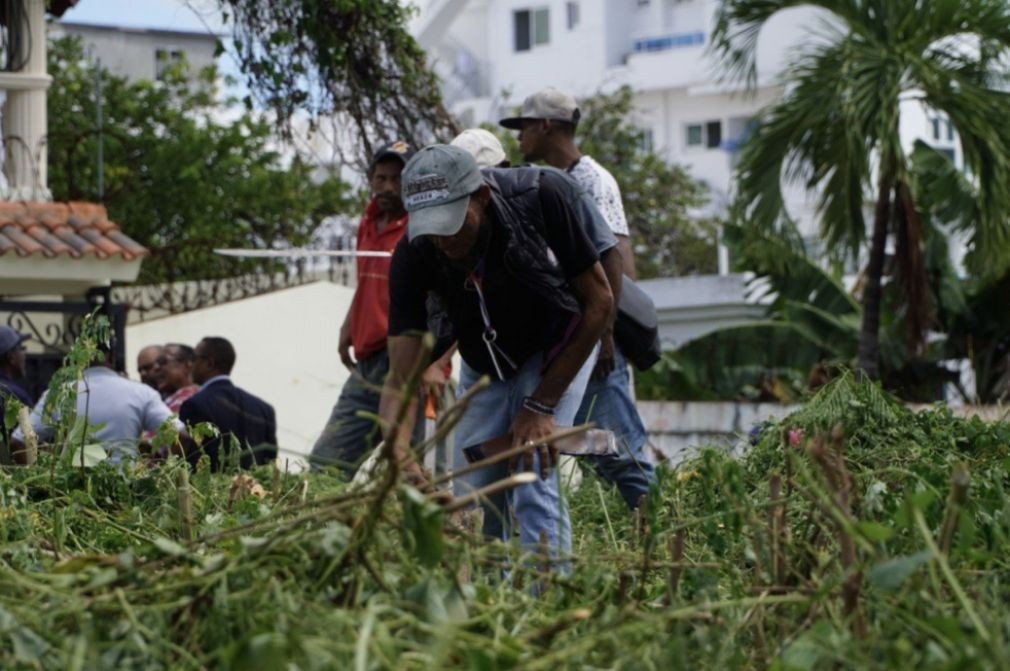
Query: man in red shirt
[[347, 437]]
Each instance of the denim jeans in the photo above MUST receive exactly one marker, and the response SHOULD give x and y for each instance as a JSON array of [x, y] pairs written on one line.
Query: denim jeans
[[608, 404], [537, 507], [347, 437]]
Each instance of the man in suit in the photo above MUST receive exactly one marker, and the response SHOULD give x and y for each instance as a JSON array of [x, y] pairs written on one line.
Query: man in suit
[[242, 418]]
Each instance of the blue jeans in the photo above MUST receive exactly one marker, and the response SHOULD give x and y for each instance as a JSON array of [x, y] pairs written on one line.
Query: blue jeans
[[537, 507], [608, 404], [347, 437]]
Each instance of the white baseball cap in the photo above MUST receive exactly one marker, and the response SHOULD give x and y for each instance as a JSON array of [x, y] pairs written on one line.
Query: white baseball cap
[[482, 145]]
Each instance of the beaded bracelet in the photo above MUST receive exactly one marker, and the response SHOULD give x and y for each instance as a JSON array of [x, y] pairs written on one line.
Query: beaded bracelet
[[533, 405]]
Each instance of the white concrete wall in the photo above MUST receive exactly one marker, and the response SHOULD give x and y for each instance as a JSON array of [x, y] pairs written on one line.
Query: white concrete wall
[[678, 429], [691, 306], [286, 344]]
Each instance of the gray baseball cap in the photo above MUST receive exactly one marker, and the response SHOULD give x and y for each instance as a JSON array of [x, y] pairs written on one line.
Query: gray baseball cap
[[549, 104], [437, 183], [9, 339]]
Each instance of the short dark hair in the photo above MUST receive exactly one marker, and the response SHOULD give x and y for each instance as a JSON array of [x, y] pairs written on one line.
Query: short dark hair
[[106, 350], [566, 127], [222, 353], [184, 353]]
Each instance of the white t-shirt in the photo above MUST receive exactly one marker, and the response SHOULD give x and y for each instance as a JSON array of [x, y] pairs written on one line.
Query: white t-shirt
[[601, 185]]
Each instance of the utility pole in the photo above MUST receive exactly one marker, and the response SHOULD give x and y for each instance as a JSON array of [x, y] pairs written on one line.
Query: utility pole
[[98, 126]]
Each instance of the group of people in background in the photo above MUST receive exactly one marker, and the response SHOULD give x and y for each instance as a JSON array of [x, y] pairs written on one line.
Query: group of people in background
[[195, 383], [180, 384], [519, 270]]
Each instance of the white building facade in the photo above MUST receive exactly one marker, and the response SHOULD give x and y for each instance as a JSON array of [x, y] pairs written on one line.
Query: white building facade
[[141, 53], [493, 53]]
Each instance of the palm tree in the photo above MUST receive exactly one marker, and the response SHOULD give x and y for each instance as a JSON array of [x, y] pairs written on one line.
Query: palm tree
[[837, 129]]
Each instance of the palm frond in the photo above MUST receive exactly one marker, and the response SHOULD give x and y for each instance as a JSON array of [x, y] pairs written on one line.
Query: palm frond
[[728, 359], [738, 26], [787, 270]]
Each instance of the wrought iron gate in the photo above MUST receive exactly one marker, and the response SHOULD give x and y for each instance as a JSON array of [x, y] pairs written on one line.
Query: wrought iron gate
[[52, 327]]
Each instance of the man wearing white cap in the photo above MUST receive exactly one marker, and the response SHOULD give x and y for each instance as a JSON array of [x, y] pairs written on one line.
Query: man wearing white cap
[[488, 152], [546, 125], [506, 253], [485, 148]]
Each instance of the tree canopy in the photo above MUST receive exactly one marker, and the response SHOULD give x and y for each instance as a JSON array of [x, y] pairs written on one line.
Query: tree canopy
[[178, 178], [352, 61], [836, 130], [811, 328]]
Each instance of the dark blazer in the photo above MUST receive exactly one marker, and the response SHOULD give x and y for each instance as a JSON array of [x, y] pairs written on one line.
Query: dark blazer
[[249, 419]]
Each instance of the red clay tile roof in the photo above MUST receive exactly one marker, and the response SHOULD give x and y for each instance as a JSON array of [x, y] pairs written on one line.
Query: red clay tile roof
[[53, 229]]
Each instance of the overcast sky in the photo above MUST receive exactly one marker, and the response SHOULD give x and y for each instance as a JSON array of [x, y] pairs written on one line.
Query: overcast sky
[[189, 15]]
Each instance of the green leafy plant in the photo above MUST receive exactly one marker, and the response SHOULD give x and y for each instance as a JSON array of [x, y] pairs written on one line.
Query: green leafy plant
[[854, 533]]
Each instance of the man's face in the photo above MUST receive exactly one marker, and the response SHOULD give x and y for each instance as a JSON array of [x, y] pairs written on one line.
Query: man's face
[[146, 359], [385, 185], [16, 360], [202, 369], [532, 139], [172, 372], [457, 247]]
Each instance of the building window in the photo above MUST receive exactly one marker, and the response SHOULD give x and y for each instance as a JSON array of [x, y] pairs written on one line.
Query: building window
[[695, 135], [573, 14], [713, 134], [541, 26], [647, 140], [532, 28], [165, 59], [708, 134], [942, 126], [521, 19]]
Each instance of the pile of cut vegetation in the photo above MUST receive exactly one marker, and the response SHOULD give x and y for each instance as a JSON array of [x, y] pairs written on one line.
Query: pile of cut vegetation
[[854, 534]]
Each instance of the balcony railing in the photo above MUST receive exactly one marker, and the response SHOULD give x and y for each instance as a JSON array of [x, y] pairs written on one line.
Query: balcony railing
[[666, 42]]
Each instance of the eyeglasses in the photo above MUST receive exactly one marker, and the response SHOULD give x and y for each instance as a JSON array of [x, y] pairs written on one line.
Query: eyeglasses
[[163, 361]]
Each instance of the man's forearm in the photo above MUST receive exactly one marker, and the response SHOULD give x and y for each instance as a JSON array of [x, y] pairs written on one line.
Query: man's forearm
[[592, 288], [403, 355], [628, 257], [613, 268], [389, 409]]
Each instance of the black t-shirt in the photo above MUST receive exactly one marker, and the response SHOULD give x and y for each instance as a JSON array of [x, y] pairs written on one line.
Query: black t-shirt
[[526, 322]]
